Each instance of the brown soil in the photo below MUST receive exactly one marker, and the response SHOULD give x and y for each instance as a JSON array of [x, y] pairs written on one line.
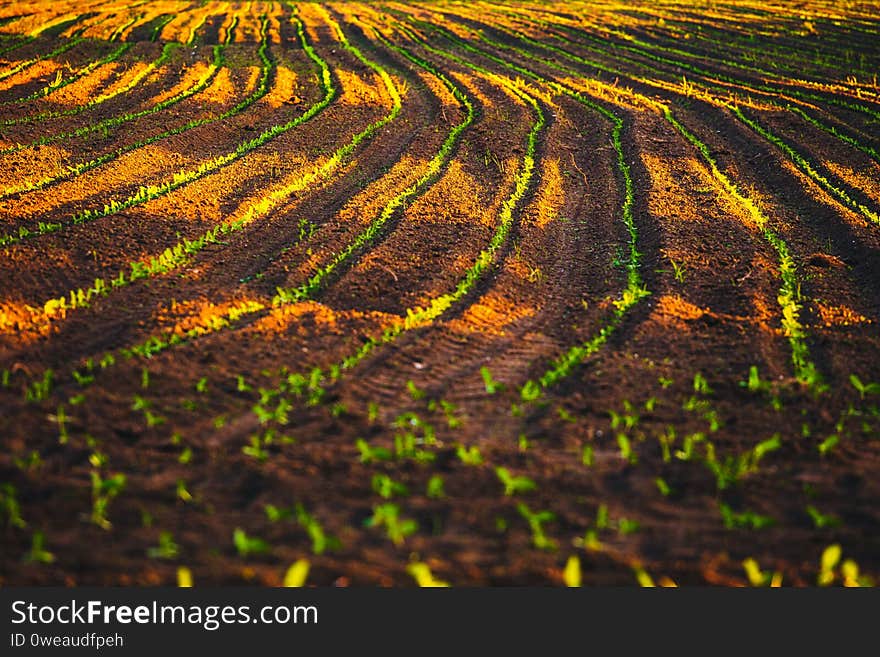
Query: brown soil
[[652, 454]]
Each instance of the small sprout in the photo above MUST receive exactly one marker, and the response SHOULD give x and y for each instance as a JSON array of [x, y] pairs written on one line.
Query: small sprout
[[536, 520], [145, 378], [828, 445], [140, 404], [626, 526], [277, 514], [423, 576], [743, 520], [38, 552], [202, 385], [414, 391], [587, 455], [492, 386], [297, 574], [642, 577], [820, 520], [184, 578], [387, 488], [435, 488], [370, 454], [523, 442], [626, 451], [153, 419], [469, 455], [864, 388], [167, 548], [321, 540], [514, 485], [372, 412], [662, 486], [248, 545], [185, 456], [10, 507], [396, 527], [103, 492], [182, 493], [241, 385], [701, 385], [664, 382], [572, 573], [564, 415], [530, 392]]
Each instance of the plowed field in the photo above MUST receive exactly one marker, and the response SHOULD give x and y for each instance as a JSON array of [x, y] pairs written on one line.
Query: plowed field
[[477, 293]]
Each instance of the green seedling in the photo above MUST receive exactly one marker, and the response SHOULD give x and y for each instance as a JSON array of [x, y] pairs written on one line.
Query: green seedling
[[701, 385], [397, 528], [167, 548], [414, 391], [564, 415], [61, 419], [536, 522], [678, 270], [370, 454], [587, 458], [449, 410], [241, 385], [387, 488], [643, 578], [828, 445], [145, 378], [469, 455], [182, 491], [754, 383], [202, 385], [423, 576], [140, 404], [864, 388], [247, 545], [514, 485], [626, 451], [492, 386], [38, 552], [277, 514], [256, 446], [82, 379], [435, 489], [372, 412], [103, 492], [664, 382], [321, 540], [10, 507], [185, 456], [743, 520], [40, 390], [820, 520], [663, 487], [531, 391], [30, 463]]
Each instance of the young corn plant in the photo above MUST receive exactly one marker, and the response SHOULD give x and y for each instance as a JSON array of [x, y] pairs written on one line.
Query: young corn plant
[[396, 528], [536, 520]]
